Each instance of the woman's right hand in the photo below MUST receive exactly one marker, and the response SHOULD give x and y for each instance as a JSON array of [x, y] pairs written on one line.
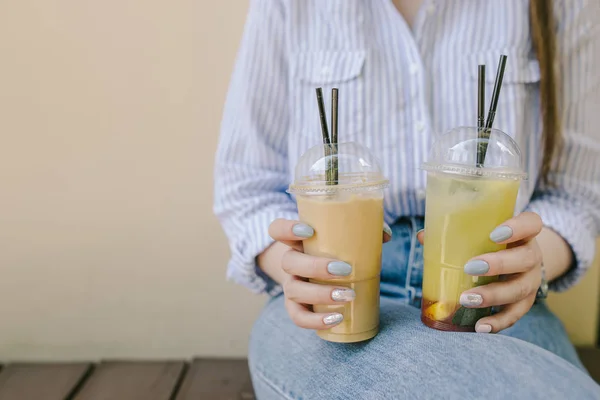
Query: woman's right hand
[[292, 268]]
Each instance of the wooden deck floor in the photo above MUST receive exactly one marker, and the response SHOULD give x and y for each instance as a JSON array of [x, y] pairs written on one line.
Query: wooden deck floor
[[125, 380], [161, 380]]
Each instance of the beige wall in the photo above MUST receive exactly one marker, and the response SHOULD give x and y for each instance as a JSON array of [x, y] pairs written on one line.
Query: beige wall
[[108, 118], [579, 308], [109, 113]]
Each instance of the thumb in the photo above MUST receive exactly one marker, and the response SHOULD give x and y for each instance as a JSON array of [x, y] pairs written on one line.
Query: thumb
[[421, 236], [387, 233]]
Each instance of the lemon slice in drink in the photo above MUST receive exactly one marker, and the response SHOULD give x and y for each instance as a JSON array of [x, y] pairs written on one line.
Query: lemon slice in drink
[[439, 311]]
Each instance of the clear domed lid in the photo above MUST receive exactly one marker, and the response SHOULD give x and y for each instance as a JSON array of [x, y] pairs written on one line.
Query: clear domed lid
[[357, 169], [465, 151]]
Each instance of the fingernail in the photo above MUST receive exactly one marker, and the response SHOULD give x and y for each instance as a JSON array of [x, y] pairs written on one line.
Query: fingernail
[[501, 233], [483, 328], [419, 231], [333, 319], [477, 267], [343, 295], [387, 229], [339, 268], [471, 299], [303, 230]]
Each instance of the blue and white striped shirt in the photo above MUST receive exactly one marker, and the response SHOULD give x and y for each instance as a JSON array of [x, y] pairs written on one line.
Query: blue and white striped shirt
[[398, 89]]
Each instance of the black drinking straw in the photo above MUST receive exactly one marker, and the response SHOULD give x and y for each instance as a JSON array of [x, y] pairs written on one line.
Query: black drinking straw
[[493, 105], [481, 97], [334, 133], [480, 110], [322, 117], [325, 133], [496, 92]]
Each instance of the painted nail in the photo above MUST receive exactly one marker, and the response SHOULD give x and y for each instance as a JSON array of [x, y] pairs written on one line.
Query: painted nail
[[471, 299], [333, 319], [477, 267], [387, 229], [303, 230], [343, 295], [483, 328], [339, 268], [501, 233]]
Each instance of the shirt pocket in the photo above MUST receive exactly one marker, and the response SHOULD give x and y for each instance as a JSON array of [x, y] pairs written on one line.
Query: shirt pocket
[[327, 69]]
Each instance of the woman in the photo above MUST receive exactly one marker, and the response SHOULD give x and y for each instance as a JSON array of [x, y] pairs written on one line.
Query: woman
[[406, 71]]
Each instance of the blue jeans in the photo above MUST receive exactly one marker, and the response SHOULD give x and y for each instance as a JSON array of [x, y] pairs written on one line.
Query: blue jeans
[[534, 359]]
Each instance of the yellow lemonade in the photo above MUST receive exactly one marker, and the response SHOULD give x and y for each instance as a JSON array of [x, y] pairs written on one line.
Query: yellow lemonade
[[461, 212]]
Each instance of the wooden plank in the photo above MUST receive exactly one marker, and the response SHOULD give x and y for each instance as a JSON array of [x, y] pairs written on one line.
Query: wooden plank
[[133, 381], [590, 357], [217, 380], [41, 381]]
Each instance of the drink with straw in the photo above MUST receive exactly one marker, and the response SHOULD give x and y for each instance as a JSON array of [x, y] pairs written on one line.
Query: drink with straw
[[463, 206], [339, 191], [473, 177]]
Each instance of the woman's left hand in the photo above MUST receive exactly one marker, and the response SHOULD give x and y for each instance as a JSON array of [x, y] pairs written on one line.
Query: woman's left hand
[[520, 266]]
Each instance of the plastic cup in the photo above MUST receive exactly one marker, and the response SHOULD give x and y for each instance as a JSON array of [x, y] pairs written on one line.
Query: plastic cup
[[347, 218], [465, 202]]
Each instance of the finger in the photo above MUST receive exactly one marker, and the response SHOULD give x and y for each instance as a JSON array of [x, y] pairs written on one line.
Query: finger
[[504, 262], [311, 293], [522, 227], [421, 236], [501, 293], [387, 233], [505, 318], [300, 264], [290, 232], [304, 318]]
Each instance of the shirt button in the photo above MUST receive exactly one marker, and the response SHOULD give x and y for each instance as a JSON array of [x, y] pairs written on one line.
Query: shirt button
[[325, 71], [431, 9], [420, 126], [413, 69]]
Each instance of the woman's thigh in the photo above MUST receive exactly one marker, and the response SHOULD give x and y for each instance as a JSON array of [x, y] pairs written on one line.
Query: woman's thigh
[[542, 328], [405, 360]]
